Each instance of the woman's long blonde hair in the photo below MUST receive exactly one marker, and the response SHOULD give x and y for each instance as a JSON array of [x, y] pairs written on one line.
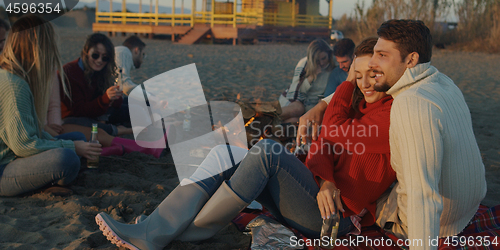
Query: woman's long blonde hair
[[315, 48], [31, 52]]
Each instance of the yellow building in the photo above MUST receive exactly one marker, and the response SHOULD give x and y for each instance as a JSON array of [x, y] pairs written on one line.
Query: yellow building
[[237, 19]]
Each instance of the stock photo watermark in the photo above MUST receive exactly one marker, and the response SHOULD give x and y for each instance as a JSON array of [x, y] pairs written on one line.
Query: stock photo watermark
[[47, 9]]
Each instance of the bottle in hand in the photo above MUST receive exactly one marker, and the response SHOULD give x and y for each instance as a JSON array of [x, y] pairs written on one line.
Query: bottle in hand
[[118, 81], [93, 163], [330, 227]]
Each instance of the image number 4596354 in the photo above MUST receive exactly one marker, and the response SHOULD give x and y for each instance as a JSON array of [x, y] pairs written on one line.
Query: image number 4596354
[[47, 9], [32, 8]]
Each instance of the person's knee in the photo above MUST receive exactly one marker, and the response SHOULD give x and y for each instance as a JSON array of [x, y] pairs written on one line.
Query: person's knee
[[267, 147], [67, 163], [79, 136]]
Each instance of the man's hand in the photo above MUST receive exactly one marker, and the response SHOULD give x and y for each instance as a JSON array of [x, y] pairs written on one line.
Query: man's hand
[[328, 199], [313, 118]]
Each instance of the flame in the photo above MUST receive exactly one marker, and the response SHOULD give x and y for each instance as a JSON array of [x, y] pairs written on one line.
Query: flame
[[217, 126], [261, 138], [238, 96], [249, 121]]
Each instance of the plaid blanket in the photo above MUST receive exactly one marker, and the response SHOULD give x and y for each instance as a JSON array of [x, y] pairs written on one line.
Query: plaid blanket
[[482, 233]]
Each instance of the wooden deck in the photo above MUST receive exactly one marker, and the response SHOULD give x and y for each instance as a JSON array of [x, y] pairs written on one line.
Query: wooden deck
[[141, 29], [190, 35]]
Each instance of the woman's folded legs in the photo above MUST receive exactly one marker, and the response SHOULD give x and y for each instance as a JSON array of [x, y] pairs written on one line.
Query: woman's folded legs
[[59, 166], [267, 173]]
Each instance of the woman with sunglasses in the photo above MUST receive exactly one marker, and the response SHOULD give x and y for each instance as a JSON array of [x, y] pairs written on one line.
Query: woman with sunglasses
[[93, 94], [29, 157], [111, 145]]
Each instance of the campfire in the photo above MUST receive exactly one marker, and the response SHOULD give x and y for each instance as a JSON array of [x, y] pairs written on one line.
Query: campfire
[[262, 122]]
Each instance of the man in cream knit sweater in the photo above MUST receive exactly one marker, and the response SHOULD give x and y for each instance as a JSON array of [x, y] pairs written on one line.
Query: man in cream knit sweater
[[441, 177]]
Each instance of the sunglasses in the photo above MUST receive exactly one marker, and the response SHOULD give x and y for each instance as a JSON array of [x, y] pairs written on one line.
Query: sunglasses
[[96, 56]]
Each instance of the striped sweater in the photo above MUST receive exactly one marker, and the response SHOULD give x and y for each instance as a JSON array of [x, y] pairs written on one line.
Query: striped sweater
[[19, 130], [435, 155]]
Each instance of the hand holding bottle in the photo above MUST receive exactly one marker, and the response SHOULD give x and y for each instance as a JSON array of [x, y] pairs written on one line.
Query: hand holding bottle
[[114, 93], [87, 149]]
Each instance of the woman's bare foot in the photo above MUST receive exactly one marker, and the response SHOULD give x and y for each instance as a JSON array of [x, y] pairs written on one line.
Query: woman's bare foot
[[122, 130]]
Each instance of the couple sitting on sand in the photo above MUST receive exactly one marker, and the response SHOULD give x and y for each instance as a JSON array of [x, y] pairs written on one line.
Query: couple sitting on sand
[[429, 147]]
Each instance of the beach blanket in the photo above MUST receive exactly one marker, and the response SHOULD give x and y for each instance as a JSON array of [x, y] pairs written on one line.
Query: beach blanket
[[482, 233]]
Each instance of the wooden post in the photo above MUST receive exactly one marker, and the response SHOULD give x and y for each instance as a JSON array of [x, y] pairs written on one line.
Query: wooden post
[[213, 13], [150, 10], [182, 7], [234, 13], [124, 11], [173, 13], [156, 11], [110, 11], [330, 15], [293, 13], [193, 9]]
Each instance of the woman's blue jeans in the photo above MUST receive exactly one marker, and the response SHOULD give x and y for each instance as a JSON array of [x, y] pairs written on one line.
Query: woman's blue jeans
[[58, 166], [73, 136], [87, 122], [274, 177]]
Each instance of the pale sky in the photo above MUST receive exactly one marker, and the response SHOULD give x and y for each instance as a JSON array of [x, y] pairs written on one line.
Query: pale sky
[[340, 7]]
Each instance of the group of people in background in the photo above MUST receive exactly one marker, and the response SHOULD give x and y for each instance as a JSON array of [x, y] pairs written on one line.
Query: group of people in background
[[316, 76], [420, 175], [48, 108]]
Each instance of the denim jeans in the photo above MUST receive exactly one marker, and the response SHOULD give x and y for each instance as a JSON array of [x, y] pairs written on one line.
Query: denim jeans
[[274, 177], [87, 122], [58, 166], [72, 136], [121, 115]]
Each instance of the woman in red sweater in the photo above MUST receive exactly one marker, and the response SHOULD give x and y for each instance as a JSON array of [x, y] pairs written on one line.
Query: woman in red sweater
[[93, 95], [352, 154]]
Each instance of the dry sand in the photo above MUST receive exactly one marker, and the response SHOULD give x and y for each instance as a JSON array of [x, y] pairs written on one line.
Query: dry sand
[[135, 183]]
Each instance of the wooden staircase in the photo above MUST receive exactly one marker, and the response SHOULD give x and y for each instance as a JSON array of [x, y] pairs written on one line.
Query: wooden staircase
[[194, 35]]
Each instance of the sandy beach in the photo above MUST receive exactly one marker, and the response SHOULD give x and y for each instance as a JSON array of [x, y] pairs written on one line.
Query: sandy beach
[[135, 184]]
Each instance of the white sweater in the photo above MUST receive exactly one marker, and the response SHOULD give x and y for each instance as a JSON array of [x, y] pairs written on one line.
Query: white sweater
[[435, 155]]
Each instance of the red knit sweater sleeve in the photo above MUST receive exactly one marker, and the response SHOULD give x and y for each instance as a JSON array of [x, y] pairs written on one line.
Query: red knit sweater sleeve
[[82, 103], [367, 134], [320, 161], [116, 103]]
